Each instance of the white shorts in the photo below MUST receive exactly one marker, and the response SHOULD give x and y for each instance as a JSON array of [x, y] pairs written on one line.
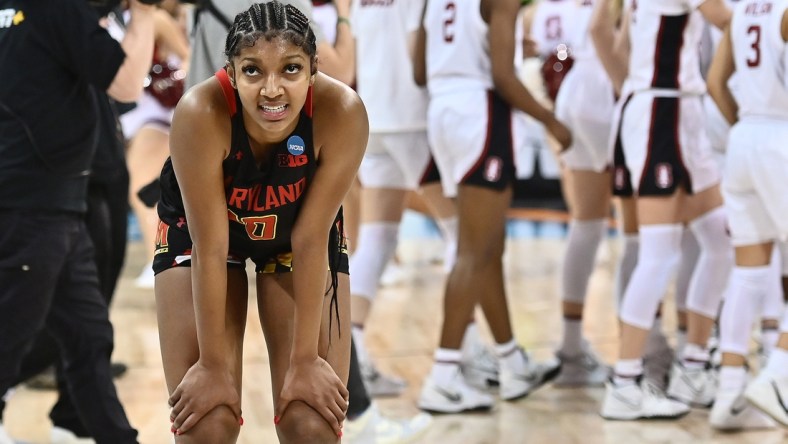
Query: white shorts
[[756, 180], [395, 160], [717, 128], [148, 112], [471, 136], [665, 145], [585, 104]]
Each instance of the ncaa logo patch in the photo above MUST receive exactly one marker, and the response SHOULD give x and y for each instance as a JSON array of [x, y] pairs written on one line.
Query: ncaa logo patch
[[296, 145]]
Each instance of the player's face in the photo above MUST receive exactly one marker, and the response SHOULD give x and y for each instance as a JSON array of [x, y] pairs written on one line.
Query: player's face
[[272, 78]]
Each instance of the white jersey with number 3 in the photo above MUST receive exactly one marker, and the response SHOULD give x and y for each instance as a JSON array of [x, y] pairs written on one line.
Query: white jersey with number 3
[[760, 55]]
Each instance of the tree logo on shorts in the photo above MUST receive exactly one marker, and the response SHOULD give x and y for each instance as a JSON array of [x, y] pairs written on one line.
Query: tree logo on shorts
[[664, 175], [493, 168]]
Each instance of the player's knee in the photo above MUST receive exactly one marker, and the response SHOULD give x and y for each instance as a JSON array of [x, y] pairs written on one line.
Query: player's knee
[[301, 424], [218, 425]]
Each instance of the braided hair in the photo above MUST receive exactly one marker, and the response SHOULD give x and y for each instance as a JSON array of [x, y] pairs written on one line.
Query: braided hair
[[271, 20]]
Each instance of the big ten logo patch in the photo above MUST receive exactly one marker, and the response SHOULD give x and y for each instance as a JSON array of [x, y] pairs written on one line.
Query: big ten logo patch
[[291, 161], [663, 172]]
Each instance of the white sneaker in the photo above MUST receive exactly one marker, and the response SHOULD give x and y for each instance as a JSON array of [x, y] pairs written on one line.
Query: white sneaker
[[514, 386], [731, 411], [373, 428], [59, 435], [582, 370], [480, 367], [639, 401], [695, 387], [5, 438], [146, 279], [769, 393], [379, 384], [455, 397]]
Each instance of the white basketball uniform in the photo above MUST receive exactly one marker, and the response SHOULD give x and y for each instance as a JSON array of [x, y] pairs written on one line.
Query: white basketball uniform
[[756, 178], [586, 99], [397, 154], [470, 128], [552, 25], [663, 128]]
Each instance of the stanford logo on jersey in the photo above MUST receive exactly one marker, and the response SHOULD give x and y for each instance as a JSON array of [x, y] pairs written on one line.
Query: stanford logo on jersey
[[664, 175]]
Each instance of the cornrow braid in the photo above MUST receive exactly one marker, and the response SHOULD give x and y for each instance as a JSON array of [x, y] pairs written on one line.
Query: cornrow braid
[[271, 20]]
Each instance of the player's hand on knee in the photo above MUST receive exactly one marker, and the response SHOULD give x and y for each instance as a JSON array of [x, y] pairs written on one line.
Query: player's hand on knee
[[317, 384], [202, 389]]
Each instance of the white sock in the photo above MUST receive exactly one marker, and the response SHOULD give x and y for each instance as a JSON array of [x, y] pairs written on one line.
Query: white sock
[[778, 362], [626, 371], [572, 342], [732, 379], [510, 356], [447, 362], [769, 338], [694, 356], [471, 339]]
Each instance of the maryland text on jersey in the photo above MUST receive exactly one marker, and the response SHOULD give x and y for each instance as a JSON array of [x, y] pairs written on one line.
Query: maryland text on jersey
[[10, 17]]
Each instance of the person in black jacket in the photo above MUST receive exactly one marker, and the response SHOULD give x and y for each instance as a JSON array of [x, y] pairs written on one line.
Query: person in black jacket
[[55, 60]]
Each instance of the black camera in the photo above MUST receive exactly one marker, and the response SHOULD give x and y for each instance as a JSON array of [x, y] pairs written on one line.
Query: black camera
[[104, 7]]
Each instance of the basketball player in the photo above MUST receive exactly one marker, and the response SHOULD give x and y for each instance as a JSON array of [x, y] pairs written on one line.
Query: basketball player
[[718, 129], [396, 161], [676, 182], [245, 150], [470, 70], [754, 47], [585, 104]]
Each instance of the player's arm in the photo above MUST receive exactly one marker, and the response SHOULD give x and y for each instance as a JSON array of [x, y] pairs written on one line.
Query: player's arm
[[501, 16], [138, 45], [720, 71], [170, 36], [611, 44], [339, 61], [341, 131], [716, 12], [199, 141], [420, 51]]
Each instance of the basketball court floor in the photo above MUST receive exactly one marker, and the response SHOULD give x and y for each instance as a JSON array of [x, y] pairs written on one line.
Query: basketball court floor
[[402, 334]]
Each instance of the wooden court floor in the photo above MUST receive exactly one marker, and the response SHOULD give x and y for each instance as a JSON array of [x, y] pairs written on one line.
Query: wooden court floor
[[403, 332]]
